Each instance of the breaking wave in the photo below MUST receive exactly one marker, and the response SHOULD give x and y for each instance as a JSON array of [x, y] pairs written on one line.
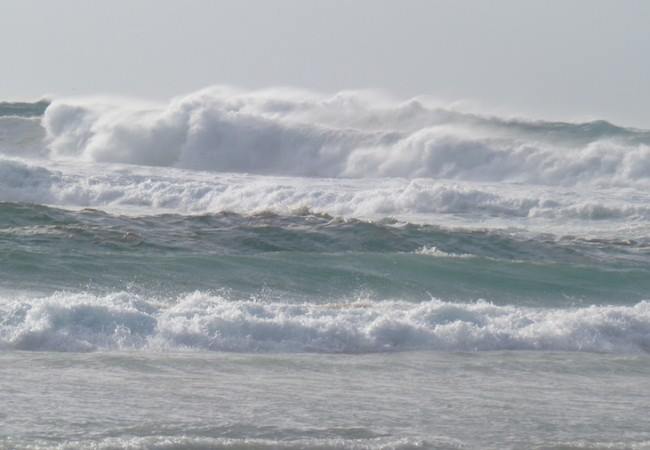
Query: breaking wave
[[146, 191], [87, 322], [350, 134]]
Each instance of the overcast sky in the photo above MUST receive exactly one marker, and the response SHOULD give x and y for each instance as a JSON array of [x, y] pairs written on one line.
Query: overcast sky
[[549, 59]]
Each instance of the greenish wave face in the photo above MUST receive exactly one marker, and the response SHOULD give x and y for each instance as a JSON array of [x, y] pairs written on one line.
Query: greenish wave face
[[313, 258], [23, 109]]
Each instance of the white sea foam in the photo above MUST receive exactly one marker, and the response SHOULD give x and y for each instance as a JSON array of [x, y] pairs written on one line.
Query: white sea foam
[[353, 154], [150, 190], [436, 252], [85, 322], [194, 443], [349, 134]]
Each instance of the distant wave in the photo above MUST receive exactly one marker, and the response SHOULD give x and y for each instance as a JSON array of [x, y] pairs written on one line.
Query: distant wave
[[22, 137], [85, 322], [349, 134], [23, 109], [144, 191]]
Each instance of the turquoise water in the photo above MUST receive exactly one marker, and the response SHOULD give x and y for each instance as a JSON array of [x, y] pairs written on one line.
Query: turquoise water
[[314, 258]]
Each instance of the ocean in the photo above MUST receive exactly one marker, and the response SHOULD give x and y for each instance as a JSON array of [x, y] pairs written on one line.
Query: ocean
[[282, 269]]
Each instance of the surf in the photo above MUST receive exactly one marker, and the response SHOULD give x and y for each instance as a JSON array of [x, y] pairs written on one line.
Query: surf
[[202, 321]]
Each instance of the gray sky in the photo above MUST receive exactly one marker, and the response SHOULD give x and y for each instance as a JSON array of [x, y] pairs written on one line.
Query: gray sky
[[548, 59]]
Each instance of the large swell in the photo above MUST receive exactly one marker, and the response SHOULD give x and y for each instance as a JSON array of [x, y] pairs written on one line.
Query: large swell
[[353, 154], [312, 258], [285, 220], [87, 280], [350, 134]]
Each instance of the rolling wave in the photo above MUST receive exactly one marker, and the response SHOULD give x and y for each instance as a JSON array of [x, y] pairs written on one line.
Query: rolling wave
[[201, 321], [142, 191], [311, 257], [347, 135], [285, 190], [350, 135]]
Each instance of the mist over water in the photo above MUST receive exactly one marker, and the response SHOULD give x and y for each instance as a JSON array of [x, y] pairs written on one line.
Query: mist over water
[[227, 230]]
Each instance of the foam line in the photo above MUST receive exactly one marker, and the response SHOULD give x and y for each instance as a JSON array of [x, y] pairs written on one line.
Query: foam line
[[85, 322]]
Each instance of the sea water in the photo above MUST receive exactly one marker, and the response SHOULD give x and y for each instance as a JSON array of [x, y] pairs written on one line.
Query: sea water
[[284, 269]]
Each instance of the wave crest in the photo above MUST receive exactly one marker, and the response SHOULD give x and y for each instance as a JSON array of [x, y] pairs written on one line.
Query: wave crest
[[154, 190], [84, 322], [349, 134]]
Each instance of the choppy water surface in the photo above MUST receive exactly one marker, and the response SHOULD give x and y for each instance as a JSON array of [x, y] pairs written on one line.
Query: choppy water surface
[[283, 270]]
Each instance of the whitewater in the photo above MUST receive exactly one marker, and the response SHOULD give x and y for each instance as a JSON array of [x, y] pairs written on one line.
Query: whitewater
[[288, 269]]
